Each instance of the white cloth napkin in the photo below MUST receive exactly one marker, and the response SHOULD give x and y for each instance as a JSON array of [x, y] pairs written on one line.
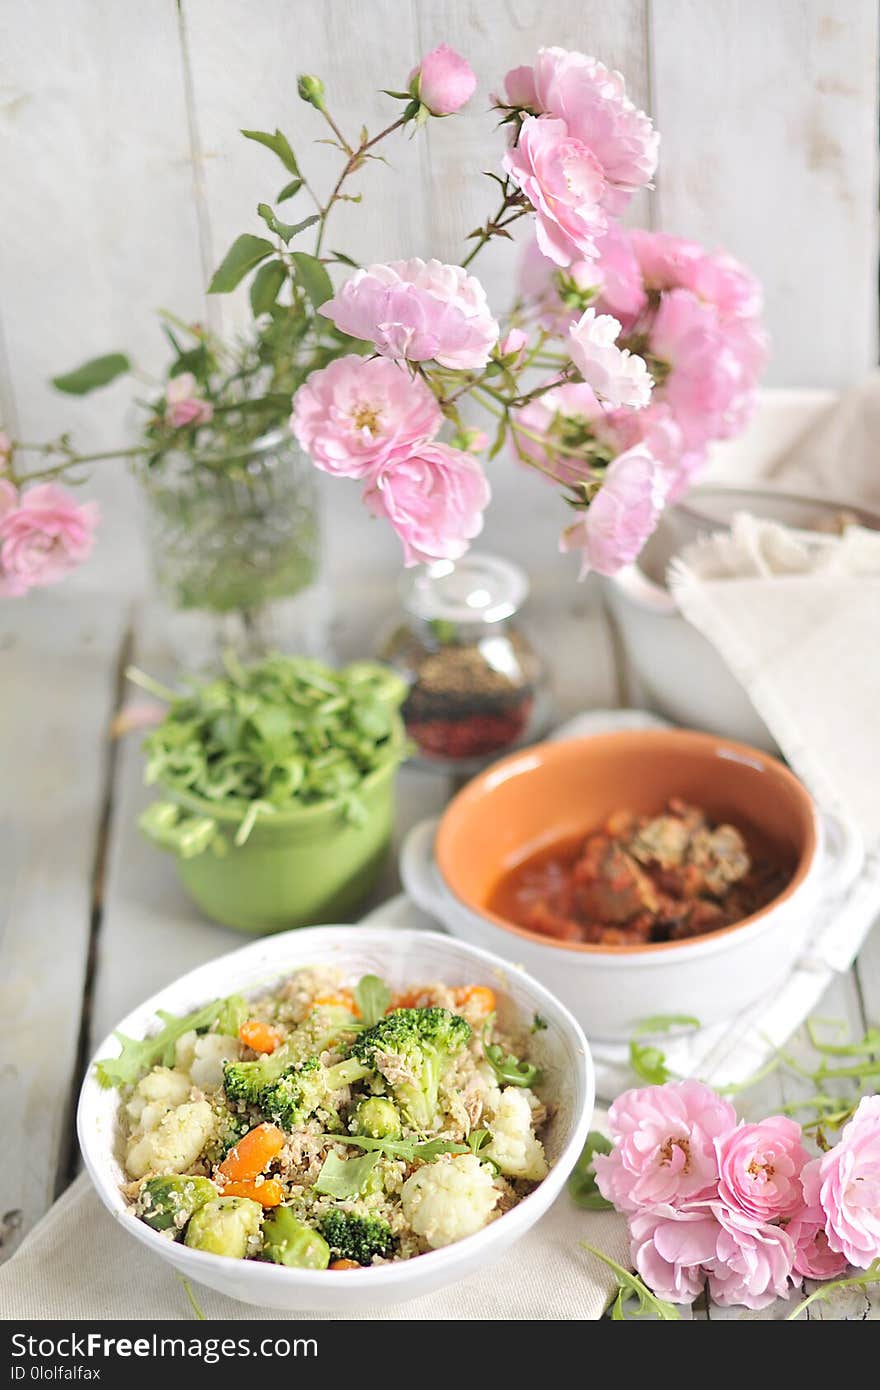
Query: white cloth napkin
[[79, 1263]]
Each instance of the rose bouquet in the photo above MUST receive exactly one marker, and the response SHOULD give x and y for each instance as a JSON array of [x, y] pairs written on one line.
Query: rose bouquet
[[625, 355], [742, 1209]]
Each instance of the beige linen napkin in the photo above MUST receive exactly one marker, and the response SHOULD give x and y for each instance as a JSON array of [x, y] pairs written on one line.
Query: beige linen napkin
[[797, 620], [78, 1263], [838, 455]]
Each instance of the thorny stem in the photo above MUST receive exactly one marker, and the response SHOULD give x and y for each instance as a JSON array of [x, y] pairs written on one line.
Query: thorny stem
[[71, 460], [354, 161], [497, 224]]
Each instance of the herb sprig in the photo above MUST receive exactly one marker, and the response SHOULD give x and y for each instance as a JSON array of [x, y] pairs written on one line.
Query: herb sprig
[[508, 1069]]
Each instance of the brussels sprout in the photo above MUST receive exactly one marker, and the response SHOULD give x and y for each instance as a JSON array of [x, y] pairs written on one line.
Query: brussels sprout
[[377, 1118], [169, 1202], [224, 1226], [287, 1241]]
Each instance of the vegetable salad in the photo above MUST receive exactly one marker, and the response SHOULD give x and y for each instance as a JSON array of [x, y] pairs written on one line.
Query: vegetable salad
[[322, 1127]]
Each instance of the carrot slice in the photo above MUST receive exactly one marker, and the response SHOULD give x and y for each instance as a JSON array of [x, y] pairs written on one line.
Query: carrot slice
[[343, 1264], [481, 996], [343, 1000], [252, 1154], [259, 1036], [269, 1192]]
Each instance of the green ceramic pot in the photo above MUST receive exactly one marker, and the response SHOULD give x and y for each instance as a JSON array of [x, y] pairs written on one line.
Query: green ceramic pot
[[298, 868]]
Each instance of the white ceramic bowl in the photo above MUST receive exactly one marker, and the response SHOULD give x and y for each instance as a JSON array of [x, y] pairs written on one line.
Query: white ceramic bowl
[[401, 958]]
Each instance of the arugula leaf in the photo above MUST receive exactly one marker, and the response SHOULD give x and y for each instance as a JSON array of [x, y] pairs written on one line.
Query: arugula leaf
[[407, 1149], [539, 1024], [372, 997], [344, 1177], [139, 1055], [629, 1285], [509, 1070], [649, 1061], [862, 1280], [582, 1184]]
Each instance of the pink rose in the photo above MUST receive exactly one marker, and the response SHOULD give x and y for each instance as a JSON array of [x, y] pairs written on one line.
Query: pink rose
[[417, 310], [592, 101], [664, 1135], [849, 1186], [434, 499], [618, 376], [708, 386], [753, 1262], [657, 428], [563, 181], [446, 81], [183, 405], [351, 416], [622, 515], [519, 89], [621, 286], [670, 262], [813, 1256], [671, 1247], [760, 1167], [43, 538]]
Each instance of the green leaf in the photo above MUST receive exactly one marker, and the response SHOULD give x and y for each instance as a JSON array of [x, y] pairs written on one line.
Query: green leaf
[[868, 1276], [266, 285], [582, 1184], [344, 260], [500, 438], [509, 1070], [278, 144], [408, 1149], [372, 997], [138, 1055], [285, 230], [244, 253], [539, 1024], [631, 1286], [99, 371], [648, 1061], [313, 278], [344, 1177], [289, 190]]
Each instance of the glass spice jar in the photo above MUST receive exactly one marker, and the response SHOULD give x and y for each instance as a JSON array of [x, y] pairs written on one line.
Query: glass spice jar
[[475, 681]]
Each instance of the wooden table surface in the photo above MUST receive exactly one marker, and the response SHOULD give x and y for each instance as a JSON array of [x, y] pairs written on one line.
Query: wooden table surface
[[92, 919]]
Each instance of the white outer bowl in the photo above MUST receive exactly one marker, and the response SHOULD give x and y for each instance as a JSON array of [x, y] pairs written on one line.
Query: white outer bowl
[[710, 978], [401, 958]]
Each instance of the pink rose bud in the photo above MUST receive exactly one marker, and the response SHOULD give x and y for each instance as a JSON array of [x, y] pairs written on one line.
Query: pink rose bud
[[183, 405], [512, 347], [445, 81]]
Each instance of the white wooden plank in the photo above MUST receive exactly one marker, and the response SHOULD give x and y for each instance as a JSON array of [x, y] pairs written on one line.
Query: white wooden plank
[[868, 977], [769, 121], [95, 162], [58, 671]]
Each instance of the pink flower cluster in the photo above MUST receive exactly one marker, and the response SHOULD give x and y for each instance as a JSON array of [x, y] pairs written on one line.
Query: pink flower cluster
[[44, 534], [740, 1205], [581, 150], [367, 418]]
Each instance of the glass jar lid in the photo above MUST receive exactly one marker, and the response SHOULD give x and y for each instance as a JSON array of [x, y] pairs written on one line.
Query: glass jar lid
[[478, 588]]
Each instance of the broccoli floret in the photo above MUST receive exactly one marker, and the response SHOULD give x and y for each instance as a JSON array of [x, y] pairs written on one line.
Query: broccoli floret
[[322, 1030], [354, 1237], [412, 1048], [289, 1092]]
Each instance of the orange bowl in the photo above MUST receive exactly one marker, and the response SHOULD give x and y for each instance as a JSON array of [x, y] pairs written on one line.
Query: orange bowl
[[558, 791]]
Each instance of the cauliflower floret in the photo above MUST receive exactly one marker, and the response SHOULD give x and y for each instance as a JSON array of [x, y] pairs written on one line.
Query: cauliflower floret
[[209, 1053], [185, 1050], [449, 1199], [175, 1143], [514, 1147], [154, 1095]]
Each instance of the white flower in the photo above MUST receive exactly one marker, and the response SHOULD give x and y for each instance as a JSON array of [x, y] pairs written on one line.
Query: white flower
[[618, 376]]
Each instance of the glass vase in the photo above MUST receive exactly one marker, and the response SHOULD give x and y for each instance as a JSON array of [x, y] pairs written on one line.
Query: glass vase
[[235, 548]]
